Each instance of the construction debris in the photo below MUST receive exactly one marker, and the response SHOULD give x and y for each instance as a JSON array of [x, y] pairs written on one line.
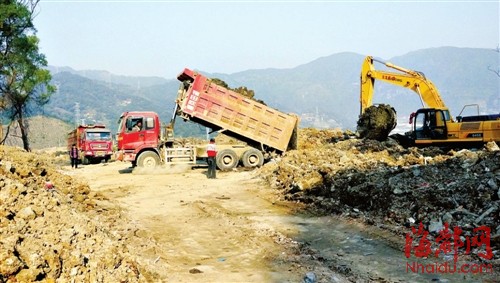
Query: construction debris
[[387, 185], [53, 227]]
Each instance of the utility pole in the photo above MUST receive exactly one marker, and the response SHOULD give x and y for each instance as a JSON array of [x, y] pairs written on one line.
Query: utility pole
[[77, 113]]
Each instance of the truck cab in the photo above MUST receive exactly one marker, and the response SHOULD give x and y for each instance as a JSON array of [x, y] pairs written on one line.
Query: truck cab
[[94, 143], [132, 142]]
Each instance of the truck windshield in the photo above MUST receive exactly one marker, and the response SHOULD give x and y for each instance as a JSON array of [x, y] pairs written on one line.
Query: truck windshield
[[98, 136], [120, 124]]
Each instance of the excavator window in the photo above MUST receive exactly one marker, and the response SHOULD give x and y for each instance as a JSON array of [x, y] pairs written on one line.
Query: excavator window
[[430, 124], [439, 131], [420, 125], [439, 119]]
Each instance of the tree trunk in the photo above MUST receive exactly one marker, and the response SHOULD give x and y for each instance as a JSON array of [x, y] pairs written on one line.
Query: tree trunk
[[23, 126]]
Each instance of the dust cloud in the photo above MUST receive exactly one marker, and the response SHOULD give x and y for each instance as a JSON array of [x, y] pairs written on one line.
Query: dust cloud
[[164, 169]]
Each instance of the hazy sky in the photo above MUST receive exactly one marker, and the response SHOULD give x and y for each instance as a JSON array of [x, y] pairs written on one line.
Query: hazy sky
[[160, 38]]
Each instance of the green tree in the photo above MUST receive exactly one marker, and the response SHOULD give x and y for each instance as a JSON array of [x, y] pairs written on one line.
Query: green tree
[[24, 83]]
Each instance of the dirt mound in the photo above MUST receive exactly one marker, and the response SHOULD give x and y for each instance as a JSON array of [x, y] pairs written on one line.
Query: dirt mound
[[54, 228], [386, 184]]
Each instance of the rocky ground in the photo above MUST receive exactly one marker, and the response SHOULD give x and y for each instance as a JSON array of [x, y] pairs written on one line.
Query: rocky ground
[[54, 228], [384, 184]]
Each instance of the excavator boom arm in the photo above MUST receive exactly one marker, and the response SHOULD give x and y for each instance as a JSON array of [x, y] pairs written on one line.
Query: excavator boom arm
[[413, 80]]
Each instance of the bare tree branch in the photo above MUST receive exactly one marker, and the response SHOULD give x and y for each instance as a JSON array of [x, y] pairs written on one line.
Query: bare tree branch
[[497, 72]]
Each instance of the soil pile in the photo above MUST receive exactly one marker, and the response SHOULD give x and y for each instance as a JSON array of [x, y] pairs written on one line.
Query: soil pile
[[385, 184], [377, 121], [54, 228]]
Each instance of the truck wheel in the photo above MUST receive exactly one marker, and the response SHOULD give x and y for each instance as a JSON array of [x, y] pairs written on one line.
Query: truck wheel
[[148, 159], [85, 161], [252, 158], [226, 159]]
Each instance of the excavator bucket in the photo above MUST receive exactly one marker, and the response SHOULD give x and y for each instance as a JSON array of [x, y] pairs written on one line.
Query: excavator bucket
[[377, 122]]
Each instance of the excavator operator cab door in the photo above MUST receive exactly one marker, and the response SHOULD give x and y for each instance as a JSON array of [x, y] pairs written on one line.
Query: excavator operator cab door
[[430, 124]]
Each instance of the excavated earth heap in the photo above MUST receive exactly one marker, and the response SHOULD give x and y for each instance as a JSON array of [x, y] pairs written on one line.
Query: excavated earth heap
[[387, 185], [53, 228]]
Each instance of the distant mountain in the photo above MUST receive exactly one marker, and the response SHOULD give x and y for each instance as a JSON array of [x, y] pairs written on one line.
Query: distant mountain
[[460, 74], [81, 99], [324, 92], [110, 78]]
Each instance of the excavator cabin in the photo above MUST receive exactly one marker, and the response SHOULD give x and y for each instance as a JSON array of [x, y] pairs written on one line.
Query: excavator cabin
[[430, 124], [431, 127]]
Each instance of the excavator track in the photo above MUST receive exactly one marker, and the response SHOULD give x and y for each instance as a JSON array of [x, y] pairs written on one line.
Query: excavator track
[[376, 122]]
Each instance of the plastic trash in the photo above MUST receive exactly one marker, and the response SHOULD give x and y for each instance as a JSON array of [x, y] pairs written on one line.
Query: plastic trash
[[310, 277]]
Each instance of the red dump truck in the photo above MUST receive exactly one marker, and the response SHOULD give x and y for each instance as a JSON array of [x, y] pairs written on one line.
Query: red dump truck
[[94, 143], [260, 130]]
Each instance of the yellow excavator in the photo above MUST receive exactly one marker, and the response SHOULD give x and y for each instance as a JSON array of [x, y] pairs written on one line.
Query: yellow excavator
[[433, 125]]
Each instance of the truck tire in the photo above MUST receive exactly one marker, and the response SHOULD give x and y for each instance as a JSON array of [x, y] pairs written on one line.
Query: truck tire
[[252, 158], [148, 159], [226, 159], [85, 161]]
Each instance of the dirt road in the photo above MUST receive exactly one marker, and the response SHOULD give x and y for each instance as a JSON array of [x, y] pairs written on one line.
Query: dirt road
[[225, 230], [234, 229]]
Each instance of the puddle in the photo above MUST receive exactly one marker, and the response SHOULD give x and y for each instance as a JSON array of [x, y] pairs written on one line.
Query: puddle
[[350, 248]]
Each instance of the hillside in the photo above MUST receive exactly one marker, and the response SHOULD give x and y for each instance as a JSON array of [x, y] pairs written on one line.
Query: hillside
[[110, 78], [44, 132], [79, 98], [327, 89], [324, 92]]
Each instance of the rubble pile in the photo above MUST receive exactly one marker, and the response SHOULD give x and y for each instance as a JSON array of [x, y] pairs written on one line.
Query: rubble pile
[[53, 228], [384, 183]]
